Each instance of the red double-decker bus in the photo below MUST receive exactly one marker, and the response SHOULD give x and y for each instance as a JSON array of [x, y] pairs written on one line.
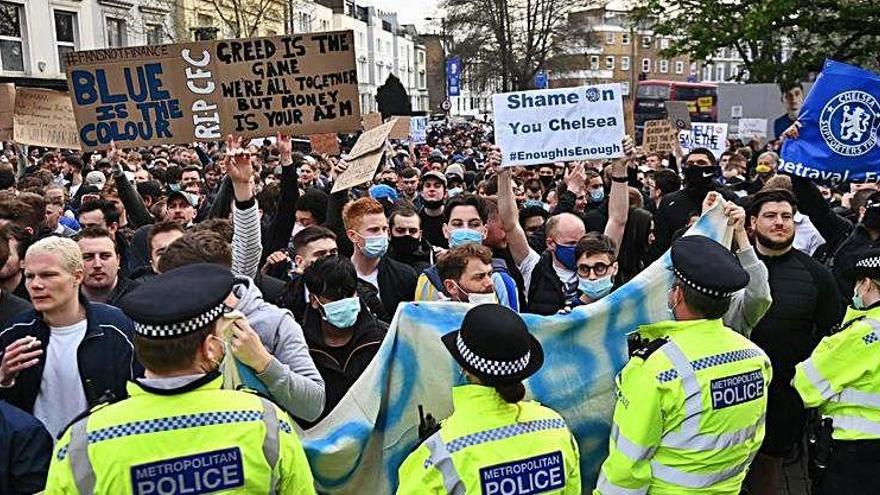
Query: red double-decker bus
[[702, 100]]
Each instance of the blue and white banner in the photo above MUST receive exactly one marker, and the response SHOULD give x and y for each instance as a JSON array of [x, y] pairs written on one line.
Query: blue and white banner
[[453, 76], [838, 133], [360, 445]]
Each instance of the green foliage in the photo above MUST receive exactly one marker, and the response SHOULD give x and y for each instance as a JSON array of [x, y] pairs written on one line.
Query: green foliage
[[780, 41], [392, 98]]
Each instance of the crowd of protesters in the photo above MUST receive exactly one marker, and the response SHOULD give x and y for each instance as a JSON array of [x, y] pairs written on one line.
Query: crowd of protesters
[[320, 275]]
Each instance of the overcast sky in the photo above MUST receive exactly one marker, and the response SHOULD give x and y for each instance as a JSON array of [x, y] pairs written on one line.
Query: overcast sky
[[409, 11]]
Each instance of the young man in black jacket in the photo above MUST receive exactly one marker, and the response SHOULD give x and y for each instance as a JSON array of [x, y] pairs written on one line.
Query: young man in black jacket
[[342, 335]]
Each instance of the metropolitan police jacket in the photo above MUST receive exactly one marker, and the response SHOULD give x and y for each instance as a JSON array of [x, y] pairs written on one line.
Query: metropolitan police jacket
[[105, 356]]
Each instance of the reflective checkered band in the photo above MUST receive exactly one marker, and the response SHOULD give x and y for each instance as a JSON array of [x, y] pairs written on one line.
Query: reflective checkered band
[[872, 262], [710, 361], [489, 366], [182, 328], [504, 432], [870, 338], [174, 423], [698, 288]]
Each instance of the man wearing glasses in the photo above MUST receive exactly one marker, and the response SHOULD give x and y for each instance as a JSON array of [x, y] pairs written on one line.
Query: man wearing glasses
[[700, 173]]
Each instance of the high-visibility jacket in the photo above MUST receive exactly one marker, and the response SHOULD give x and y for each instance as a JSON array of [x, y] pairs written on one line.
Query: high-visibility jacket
[[690, 412], [195, 439], [842, 377], [490, 447]]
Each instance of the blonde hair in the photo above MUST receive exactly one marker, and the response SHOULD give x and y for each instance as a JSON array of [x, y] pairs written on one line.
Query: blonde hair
[[66, 250]]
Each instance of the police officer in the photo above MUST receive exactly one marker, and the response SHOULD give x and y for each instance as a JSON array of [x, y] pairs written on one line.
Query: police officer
[[691, 401], [494, 442], [178, 432], [842, 378]]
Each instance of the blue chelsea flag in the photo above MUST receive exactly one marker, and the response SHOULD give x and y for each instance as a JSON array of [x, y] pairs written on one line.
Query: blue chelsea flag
[[838, 133]]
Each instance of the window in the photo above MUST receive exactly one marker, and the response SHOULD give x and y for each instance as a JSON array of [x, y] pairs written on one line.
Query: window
[[664, 43], [624, 63], [624, 38], [647, 41], [205, 20], [305, 23], [664, 66], [65, 35], [11, 42], [679, 67], [609, 63], [719, 73], [624, 88], [646, 65], [734, 71], [609, 38], [693, 68], [594, 62], [117, 32], [155, 34]]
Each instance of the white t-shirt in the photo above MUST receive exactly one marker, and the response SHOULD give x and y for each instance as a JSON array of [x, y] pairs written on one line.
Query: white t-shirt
[[372, 279], [61, 396], [568, 277]]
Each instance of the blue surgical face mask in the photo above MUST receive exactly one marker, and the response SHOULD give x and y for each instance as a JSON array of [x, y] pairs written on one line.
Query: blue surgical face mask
[[565, 255], [597, 195], [533, 202], [375, 246], [595, 289], [460, 237], [342, 313], [857, 299]]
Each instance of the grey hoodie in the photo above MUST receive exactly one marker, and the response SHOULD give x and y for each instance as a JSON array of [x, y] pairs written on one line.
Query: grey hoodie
[[291, 378]]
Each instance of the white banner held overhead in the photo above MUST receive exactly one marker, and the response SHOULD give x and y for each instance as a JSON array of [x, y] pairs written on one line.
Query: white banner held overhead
[[564, 124], [705, 135], [752, 129]]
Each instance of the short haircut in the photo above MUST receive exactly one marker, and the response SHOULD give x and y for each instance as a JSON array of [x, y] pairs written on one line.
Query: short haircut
[[37, 213], [309, 235], [532, 211], [314, 201], [74, 161], [221, 226], [162, 228], [97, 233], [859, 199], [23, 239], [331, 277], [196, 247], [353, 212], [409, 173], [534, 185], [401, 211], [771, 196], [595, 243], [5, 236], [654, 153], [491, 205], [701, 151], [465, 200], [66, 250], [453, 263], [167, 355], [106, 207], [191, 168], [667, 181], [17, 212], [705, 306]]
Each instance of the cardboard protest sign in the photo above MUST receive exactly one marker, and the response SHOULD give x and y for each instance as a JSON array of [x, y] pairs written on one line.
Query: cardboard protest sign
[[678, 114], [401, 127], [372, 120], [753, 129], [7, 109], [563, 124], [364, 158], [296, 84], [325, 144], [705, 135], [44, 118], [660, 136], [418, 130]]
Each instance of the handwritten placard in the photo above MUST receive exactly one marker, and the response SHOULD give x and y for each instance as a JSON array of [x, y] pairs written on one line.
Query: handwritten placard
[[401, 127], [660, 136], [44, 118], [364, 159], [296, 84]]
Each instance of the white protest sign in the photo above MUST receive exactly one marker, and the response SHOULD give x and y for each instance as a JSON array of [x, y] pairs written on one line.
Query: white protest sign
[[564, 124], [705, 135], [752, 129], [418, 130]]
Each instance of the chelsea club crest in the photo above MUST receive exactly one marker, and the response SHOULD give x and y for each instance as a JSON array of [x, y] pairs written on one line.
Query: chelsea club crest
[[849, 122]]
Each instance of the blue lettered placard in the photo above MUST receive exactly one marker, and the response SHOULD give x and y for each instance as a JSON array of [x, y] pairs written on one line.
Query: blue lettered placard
[[838, 134]]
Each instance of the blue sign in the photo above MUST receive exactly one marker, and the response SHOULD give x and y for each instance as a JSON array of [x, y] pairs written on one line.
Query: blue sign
[[737, 389], [542, 80], [207, 472], [531, 476], [838, 135], [453, 76]]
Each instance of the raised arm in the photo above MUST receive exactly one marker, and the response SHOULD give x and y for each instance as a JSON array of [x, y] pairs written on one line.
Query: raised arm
[[246, 242], [618, 202], [278, 233], [516, 236]]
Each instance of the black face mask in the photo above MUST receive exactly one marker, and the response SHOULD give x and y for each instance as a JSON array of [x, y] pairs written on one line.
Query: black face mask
[[700, 178], [390, 183], [404, 245], [432, 205], [546, 181]]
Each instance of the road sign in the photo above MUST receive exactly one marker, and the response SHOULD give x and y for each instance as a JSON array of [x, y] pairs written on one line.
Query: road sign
[[446, 105]]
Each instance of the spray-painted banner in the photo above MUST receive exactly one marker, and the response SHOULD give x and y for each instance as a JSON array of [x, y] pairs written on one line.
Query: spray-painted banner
[[360, 445]]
